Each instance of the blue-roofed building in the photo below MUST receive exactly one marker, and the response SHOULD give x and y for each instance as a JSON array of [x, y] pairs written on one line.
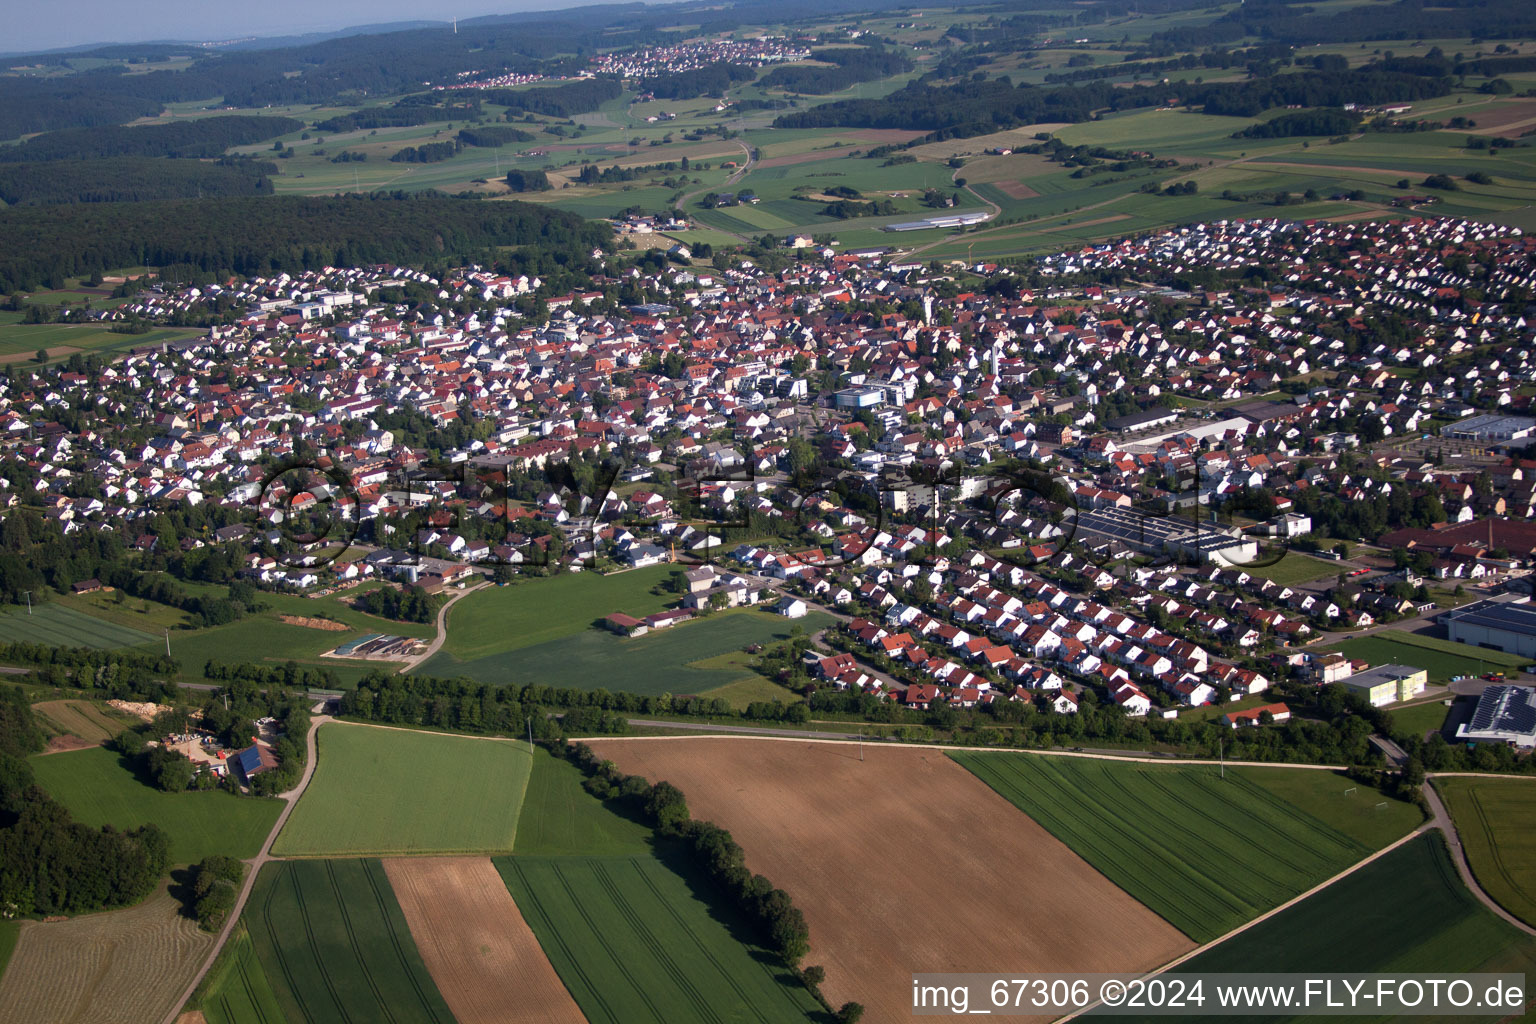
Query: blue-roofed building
[[255, 759]]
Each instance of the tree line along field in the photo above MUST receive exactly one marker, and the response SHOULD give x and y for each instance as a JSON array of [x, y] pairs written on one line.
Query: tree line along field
[[665, 661], [588, 919], [1496, 820], [633, 943], [397, 791], [1406, 912], [334, 946], [100, 788], [901, 860], [1206, 853]]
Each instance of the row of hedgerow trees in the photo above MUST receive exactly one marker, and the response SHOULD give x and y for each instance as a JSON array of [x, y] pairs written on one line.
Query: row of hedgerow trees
[[716, 853]]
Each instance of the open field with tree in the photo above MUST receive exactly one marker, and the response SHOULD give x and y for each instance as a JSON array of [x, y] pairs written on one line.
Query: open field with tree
[[475, 943], [384, 791], [661, 662], [334, 945], [58, 624], [634, 943], [236, 990], [808, 814], [1204, 852], [1406, 912], [1496, 819], [135, 961], [100, 788]]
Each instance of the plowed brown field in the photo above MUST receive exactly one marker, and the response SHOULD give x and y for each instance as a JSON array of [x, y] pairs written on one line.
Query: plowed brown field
[[125, 965], [903, 862], [473, 939]]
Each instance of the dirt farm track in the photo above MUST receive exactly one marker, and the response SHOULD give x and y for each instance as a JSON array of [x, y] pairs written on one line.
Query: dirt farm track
[[903, 862], [474, 941], [123, 965]]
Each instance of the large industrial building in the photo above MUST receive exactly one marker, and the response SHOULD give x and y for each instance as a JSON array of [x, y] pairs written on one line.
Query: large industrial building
[[1385, 684], [1505, 714], [1503, 625], [1153, 534]]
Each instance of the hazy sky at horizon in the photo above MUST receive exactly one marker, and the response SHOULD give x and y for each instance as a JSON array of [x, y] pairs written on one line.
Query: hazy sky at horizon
[[43, 26]]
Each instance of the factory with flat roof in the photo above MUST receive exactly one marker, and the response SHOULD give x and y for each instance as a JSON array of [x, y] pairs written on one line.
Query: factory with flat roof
[[1508, 626], [1505, 714], [1154, 534]]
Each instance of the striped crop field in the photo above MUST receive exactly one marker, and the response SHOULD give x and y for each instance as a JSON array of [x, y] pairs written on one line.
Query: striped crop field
[[53, 623], [634, 945], [335, 947], [240, 993], [1205, 852]]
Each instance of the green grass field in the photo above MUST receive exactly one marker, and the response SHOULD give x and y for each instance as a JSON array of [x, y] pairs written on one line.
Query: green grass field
[[1496, 819], [500, 619], [1442, 659], [56, 623], [1293, 568], [657, 663], [634, 943], [1406, 913], [559, 818], [237, 990], [334, 945], [1420, 719], [395, 791], [99, 789], [1205, 853]]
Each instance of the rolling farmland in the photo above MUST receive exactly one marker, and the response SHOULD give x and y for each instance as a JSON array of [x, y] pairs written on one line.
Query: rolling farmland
[[1204, 852], [811, 815], [1496, 819], [475, 943], [334, 945], [634, 945], [1406, 912], [99, 789], [391, 791], [127, 965]]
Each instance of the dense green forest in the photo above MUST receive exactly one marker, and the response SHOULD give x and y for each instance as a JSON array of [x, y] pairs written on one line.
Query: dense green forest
[[490, 136], [567, 100], [528, 181], [975, 108], [48, 863], [265, 234], [396, 115], [850, 66], [207, 137], [1323, 121], [131, 179], [710, 80]]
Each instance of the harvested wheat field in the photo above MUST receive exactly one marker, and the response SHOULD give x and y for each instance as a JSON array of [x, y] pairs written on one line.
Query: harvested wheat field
[[123, 965], [903, 862], [80, 719], [485, 960]]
